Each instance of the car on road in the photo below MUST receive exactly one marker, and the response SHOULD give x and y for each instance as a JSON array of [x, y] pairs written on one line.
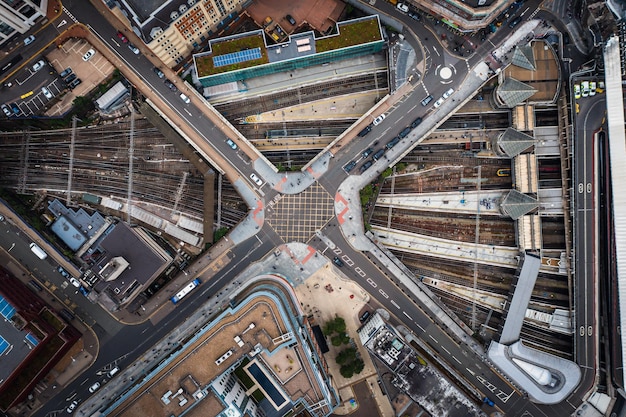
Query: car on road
[[439, 102], [393, 142], [39, 65], [74, 83], [448, 93], [70, 408], [74, 282], [67, 71], [94, 387], [427, 100], [6, 110], [291, 20], [378, 120], [122, 37], [403, 7], [83, 291], [488, 401], [600, 88], [29, 40], [367, 152], [405, 132], [134, 49], [515, 22], [158, 72], [232, 144], [63, 272], [416, 122], [46, 93], [90, 53], [184, 98], [379, 153], [256, 179], [414, 16], [365, 166], [592, 88], [577, 91], [170, 85], [337, 261], [349, 166], [363, 318], [365, 131]]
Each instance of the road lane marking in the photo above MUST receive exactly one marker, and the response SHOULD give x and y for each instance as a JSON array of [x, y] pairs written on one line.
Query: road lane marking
[[372, 283], [444, 348], [431, 336], [410, 318], [395, 305], [421, 328], [458, 361], [384, 294]]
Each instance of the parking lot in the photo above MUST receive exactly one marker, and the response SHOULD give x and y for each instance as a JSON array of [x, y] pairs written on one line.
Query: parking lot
[[39, 90]]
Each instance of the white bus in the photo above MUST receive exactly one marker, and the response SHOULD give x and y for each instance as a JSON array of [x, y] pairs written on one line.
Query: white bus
[[188, 288]]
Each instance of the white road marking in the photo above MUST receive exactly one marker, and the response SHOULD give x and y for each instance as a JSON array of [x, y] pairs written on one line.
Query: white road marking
[[410, 318], [458, 361], [395, 305]]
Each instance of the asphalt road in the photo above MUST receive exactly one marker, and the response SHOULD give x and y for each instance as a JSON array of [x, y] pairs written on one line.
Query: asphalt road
[[130, 342]]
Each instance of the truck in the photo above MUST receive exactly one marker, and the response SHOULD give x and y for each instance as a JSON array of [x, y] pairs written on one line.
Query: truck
[[41, 254]]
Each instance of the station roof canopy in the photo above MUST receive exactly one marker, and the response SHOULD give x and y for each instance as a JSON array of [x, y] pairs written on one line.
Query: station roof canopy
[[517, 204], [524, 57], [513, 142], [513, 92]]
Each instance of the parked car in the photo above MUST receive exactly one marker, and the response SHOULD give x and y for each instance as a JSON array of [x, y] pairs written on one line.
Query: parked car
[[416, 122], [291, 20], [74, 282], [67, 71], [70, 408], [63, 272], [414, 16], [577, 91], [256, 179], [488, 401], [439, 102], [6, 110], [367, 152], [365, 131], [403, 7], [94, 387], [83, 291], [46, 93], [585, 88], [592, 88], [378, 120], [134, 49], [184, 98], [379, 153], [122, 37], [404, 132], [393, 142], [75, 83], [158, 72], [39, 65], [363, 318], [427, 100], [337, 261], [365, 166], [15, 108], [448, 93], [90, 53], [29, 40], [70, 78], [515, 22], [349, 166]]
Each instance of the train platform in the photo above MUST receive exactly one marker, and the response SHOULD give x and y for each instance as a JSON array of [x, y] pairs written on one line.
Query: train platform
[[467, 202]]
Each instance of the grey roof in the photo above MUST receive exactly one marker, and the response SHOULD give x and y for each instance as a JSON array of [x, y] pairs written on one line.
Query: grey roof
[[524, 57], [121, 240], [513, 142], [513, 92], [521, 297], [74, 227], [290, 49], [517, 204]]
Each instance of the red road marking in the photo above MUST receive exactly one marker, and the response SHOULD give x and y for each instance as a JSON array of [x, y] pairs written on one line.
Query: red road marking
[[311, 253]]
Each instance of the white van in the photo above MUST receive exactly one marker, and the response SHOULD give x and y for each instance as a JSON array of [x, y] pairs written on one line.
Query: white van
[[113, 372], [38, 251]]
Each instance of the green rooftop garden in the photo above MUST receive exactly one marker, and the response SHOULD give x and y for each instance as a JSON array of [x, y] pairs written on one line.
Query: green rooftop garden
[[205, 66], [350, 34]]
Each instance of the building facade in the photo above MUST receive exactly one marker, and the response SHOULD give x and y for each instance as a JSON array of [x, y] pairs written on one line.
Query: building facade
[[18, 17]]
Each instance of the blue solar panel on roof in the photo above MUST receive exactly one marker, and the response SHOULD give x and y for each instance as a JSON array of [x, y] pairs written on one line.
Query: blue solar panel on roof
[[6, 310], [32, 339], [237, 57], [4, 345], [267, 385]]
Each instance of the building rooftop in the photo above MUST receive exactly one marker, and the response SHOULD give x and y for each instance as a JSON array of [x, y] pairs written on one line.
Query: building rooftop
[[250, 49]]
